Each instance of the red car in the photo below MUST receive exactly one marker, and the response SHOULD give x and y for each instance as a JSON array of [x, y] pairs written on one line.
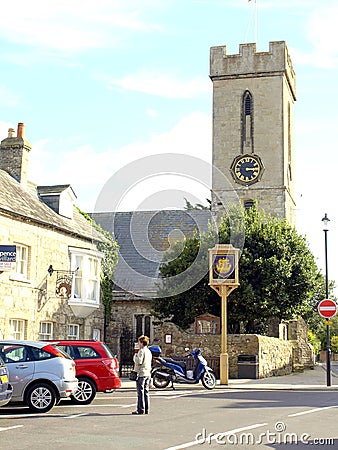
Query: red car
[[96, 368]]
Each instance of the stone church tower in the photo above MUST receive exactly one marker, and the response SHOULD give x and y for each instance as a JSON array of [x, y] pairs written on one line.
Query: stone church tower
[[253, 144]]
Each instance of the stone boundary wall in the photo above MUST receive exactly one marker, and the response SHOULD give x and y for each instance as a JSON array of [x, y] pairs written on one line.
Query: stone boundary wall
[[323, 354], [274, 355]]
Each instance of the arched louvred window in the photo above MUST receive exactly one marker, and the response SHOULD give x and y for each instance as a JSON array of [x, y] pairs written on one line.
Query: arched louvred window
[[247, 103], [247, 123], [248, 204]]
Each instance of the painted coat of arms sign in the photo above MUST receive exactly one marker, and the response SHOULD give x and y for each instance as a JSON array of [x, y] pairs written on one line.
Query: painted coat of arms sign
[[223, 266]]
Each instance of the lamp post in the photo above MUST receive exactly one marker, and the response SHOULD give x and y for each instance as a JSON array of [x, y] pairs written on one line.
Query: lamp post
[[326, 221]]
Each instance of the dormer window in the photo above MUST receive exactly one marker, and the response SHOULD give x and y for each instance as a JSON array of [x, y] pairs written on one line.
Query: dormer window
[[59, 198]]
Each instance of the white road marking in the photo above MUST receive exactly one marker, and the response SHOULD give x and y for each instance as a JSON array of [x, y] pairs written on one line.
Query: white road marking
[[75, 415], [310, 411], [10, 428], [215, 436]]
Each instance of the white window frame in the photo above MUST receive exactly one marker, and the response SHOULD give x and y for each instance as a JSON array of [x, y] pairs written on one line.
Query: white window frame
[[45, 330], [16, 329], [73, 332], [22, 262], [84, 277]]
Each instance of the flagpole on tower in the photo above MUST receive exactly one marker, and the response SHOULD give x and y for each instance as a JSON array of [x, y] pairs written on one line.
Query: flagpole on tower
[[255, 20]]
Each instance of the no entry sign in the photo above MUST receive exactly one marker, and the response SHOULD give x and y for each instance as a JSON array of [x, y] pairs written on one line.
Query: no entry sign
[[327, 308]]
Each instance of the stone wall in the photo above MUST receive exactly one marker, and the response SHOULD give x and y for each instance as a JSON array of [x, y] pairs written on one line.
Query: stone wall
[[274, 356], [121, 328], [303, 355]]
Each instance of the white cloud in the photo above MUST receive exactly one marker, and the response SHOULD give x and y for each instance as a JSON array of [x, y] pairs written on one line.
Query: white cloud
[[88, 170], [152, 112], [72, 25], [163, 84], [8, 98], [322, 32]]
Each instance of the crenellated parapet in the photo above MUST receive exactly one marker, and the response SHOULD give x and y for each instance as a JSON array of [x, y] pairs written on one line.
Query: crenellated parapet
[[249, 63]]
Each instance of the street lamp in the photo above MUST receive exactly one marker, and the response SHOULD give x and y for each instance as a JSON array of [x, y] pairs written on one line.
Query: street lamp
[[326, 221]]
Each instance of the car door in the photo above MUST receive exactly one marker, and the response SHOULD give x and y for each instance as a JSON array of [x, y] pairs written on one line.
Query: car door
[[20, 367]]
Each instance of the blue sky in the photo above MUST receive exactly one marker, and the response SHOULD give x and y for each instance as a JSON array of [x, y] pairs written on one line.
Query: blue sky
[[101, 84]]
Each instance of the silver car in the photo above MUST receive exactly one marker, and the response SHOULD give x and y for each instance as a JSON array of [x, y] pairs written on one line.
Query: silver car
[[6, 390], [39, 373]]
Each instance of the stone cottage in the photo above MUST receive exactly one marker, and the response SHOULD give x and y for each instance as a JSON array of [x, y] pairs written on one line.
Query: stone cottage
[[49, 261]]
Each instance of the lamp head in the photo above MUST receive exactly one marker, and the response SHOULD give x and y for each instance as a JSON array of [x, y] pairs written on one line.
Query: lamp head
[[325, 221]]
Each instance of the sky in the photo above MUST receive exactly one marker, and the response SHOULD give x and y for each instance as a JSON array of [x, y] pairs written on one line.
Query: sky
[[102, 85]]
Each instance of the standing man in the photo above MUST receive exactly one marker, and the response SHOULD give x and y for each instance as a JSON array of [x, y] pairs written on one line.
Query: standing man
[[142, 362]]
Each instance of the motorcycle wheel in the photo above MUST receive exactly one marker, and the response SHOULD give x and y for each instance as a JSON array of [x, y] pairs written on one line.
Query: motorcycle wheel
[[159, 382], [209, 380]]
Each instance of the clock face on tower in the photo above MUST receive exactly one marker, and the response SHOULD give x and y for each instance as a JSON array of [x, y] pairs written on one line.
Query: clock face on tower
[[247, 169]]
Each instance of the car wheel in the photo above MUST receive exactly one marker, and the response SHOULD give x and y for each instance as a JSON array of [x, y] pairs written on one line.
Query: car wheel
[[85, 393], [40, 397]]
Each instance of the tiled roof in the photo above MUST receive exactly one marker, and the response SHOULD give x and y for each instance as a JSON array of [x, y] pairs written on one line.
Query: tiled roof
[[56, 189], [23, 203], [143, 238]]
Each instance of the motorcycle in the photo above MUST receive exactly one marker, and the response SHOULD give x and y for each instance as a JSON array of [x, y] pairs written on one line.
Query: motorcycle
[[168, 370]]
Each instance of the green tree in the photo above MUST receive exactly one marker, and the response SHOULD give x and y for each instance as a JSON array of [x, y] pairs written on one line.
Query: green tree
[[189, 206], [334, 344], [278, 274], [321, 332]]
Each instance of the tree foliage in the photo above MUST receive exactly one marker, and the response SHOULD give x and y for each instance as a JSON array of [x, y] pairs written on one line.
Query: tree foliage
[[189, 206], [278, 275]]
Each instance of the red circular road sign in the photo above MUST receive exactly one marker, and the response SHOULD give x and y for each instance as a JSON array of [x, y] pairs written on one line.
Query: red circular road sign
[[327, 308]]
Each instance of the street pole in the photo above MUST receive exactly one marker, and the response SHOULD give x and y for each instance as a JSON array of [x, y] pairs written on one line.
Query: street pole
[[325, 221], [224, 358]]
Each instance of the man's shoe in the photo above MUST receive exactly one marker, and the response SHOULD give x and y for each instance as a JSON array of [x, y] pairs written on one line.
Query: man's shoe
[[137, 413]]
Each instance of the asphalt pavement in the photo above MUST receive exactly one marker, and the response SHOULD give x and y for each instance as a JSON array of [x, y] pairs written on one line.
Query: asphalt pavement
[[309, 379]]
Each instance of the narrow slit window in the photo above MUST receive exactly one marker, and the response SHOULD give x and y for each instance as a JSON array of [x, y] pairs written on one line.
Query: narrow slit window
[[247, 123]]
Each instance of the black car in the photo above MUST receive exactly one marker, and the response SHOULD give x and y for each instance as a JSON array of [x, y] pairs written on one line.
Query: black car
[[5, 388]]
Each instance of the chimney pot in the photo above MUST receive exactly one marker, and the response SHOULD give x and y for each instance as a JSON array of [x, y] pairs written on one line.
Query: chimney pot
[[11, 132], [21, 130]]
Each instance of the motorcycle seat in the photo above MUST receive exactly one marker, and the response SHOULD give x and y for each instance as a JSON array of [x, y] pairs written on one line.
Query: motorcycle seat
[[174, 361]]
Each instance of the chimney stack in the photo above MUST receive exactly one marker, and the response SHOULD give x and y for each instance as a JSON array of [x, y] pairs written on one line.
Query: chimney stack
[[11, 132], [14, 152], [21, 130]]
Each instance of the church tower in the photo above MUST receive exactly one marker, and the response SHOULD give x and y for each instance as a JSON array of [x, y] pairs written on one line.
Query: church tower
[[253, 111]]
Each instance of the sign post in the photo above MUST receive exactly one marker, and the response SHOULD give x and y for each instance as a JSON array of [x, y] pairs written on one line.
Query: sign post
[[327, 308], [223, 278]]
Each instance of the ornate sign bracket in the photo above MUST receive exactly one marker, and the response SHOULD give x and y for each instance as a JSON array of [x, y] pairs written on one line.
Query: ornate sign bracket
[[64, 281]]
